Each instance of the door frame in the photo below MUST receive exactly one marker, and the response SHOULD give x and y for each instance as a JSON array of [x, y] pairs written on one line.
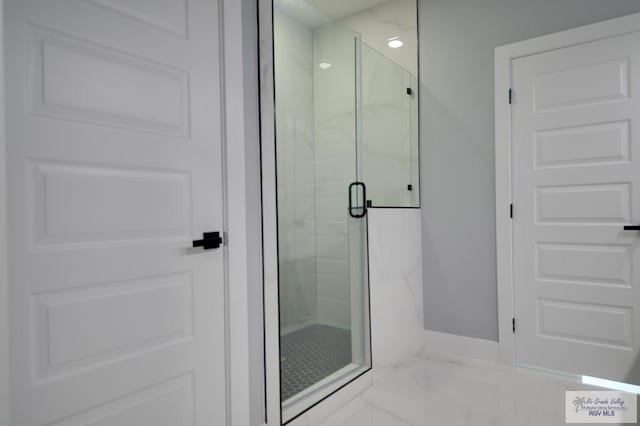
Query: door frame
[[242, 218], [4, 283], [504, 55], [242, 213]]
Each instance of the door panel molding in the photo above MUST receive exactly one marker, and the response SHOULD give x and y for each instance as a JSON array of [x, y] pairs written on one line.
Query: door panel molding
[[504, 56]]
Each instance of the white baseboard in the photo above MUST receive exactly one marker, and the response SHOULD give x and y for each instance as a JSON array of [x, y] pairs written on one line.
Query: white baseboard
[[461, 346]]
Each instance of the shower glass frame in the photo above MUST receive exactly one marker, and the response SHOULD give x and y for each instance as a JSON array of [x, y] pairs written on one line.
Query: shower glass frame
[[277, 412]]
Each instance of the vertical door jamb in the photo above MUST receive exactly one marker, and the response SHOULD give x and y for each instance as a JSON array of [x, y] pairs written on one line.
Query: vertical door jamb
[[243, 248], [4, 284]]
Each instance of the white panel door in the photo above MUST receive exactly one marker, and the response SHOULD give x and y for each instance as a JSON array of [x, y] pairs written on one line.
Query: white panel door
[[576, 184], [114, 147]]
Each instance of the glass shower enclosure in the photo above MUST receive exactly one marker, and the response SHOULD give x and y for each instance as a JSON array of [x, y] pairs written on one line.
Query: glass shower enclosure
[[331, 141]]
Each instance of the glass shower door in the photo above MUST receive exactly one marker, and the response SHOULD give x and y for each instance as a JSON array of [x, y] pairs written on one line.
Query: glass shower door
[[322, 258]]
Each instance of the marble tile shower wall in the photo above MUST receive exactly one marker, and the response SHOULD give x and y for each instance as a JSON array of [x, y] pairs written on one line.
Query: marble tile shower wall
[[395, 255], [395, 18], [335, 168], [296, 173]]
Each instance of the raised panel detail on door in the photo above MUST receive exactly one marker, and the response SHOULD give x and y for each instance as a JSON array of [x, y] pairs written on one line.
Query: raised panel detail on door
[[583, 145], [92, 203], [80, 80], [166, 404], [597, 83], [584, 204], [170, 15], [76, 327], [575, 321], [576, 185], [585, 263]]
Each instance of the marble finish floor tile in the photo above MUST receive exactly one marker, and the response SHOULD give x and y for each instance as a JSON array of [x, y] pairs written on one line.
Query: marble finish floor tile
[[441, 391]]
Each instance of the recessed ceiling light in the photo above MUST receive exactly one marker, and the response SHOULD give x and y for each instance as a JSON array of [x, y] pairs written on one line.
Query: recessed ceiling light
[[394, 43], [324, 65]]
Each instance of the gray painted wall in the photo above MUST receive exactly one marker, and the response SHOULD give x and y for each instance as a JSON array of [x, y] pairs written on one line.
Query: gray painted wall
[[457, 41]]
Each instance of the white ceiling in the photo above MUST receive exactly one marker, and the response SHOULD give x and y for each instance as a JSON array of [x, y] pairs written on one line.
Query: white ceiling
[[337, 9], [318, 12]]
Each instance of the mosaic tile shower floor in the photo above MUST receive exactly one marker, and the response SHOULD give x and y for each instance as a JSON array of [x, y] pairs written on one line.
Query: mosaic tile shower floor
[[310, 355]]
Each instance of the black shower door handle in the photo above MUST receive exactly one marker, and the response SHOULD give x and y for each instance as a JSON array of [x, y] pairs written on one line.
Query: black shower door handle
[[364, 200]]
